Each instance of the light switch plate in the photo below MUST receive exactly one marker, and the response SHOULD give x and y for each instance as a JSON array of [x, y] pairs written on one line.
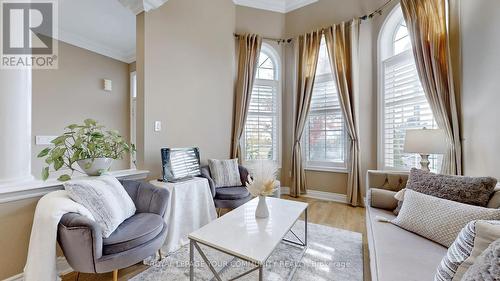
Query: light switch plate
[[108, 85], [44, 140], [157, 126]]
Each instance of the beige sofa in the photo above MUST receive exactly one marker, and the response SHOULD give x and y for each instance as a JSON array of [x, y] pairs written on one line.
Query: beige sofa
[[397, 254]]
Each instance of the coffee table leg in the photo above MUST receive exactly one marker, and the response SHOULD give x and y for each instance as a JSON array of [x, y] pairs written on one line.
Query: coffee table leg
[[191, 260], [305, 239]]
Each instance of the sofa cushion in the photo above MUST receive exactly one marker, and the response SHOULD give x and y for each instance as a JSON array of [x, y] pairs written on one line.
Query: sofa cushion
[[382, 198], [438, 219], [232, 193], [397, 254], [133, 232], [495, 198]]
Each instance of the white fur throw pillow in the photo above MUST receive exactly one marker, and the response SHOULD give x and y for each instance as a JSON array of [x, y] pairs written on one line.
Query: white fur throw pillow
[[105, 198], [437, 219]]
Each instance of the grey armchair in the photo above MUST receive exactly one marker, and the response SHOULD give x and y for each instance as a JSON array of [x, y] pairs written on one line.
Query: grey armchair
[[228, 197], [137, 238]]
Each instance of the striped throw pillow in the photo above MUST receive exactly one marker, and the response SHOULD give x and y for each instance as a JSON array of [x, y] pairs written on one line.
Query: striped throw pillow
[[461, 253], [225, 173]]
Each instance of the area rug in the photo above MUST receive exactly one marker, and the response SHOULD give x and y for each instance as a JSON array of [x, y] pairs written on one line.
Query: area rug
[[332, 254]]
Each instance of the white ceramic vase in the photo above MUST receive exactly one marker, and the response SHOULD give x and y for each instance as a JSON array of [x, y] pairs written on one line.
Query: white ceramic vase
[[262, 211], [96, 166]]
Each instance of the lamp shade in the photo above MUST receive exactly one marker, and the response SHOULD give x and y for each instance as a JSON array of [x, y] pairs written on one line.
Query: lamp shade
[[425, 141]]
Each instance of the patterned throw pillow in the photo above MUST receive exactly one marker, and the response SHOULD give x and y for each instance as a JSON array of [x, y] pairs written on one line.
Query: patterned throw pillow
[[225, 173], [437, 219], [470, 242], [487, 265]]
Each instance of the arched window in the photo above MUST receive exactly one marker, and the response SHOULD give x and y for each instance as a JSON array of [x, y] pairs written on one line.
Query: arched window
[[262, 129], [402, 101], [325, 133]]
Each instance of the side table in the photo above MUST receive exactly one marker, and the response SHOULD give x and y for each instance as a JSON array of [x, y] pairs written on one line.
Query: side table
[[190, 207]]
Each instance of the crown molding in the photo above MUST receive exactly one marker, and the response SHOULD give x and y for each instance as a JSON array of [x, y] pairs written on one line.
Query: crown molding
[[281, 6], [96, 47]]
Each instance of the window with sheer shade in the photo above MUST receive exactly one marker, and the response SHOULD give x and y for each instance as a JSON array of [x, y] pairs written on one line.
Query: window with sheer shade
[[261, 136], [403, 103], [325, 132]]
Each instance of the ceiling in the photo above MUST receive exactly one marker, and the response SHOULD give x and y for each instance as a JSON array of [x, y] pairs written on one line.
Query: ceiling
[[107, 27], [102, 26], [281, 6]]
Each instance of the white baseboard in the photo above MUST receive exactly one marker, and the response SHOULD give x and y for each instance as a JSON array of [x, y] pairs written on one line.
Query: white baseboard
[[315, 194], [62, 269]]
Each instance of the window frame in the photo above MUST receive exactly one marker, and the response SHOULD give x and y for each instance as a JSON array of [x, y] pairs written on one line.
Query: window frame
[[274, 54], [326, 166]]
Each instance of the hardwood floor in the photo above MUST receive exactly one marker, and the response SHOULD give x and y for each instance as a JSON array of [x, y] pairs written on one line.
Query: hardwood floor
[[321, 212]]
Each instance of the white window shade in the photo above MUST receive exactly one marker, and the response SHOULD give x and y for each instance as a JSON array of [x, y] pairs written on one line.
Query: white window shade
[[404, 107], [262, 127], [325, 132], [261, 134]]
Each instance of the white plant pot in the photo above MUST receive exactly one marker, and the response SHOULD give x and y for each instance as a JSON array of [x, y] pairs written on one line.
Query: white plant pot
[[96, 166], [262, 211]]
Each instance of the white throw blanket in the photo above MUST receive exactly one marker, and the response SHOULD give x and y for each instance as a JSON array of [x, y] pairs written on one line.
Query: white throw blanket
[[41, 261]]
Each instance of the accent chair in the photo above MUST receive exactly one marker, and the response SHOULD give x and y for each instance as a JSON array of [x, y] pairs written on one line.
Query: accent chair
[[137, 238]]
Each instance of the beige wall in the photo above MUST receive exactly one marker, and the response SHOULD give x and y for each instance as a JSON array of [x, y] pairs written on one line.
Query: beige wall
[[262, 22], [480, 86], [189, 78], [15, 229], [75, 92]]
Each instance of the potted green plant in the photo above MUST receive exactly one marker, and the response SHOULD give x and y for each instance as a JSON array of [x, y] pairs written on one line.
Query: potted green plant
[[89, 145]]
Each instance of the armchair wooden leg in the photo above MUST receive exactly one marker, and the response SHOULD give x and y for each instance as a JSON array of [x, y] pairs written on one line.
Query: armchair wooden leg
[[77, 276], [160, 255], [115, 275], [219, 211]]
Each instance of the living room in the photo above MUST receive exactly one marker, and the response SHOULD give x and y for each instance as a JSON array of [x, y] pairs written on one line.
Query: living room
[[301, 127]]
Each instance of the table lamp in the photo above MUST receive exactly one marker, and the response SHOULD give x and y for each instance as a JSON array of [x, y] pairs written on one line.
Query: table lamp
[[424, 142]]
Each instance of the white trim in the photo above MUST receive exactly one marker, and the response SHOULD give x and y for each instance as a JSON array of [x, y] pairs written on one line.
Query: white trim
[[63, 268], [321, 195], [327, 169], [283, 6], [96, 47], [38, 188]]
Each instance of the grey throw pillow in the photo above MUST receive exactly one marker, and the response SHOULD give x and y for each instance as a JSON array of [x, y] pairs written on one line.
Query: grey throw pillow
[[487, 265], [437, 219], [225, 173], [468, 190]]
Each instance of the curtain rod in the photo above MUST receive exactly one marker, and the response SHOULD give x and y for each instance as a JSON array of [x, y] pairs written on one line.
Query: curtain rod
[[376, 12], [364, 17], [278, 40]]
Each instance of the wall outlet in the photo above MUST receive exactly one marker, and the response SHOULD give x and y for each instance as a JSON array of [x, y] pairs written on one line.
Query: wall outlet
[[44, 140], [157, 126]]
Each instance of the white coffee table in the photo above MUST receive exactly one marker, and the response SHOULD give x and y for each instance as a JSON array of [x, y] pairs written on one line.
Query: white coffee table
[[241, 235]]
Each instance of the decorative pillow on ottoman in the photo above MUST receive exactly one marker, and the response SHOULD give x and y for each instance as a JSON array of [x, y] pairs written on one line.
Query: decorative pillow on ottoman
[[437, 219], [225, 173], [474, 238], [105, 198], [487, 265], [468, 190]]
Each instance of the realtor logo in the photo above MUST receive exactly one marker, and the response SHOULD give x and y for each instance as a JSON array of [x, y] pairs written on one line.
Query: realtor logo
[[28, 32]]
